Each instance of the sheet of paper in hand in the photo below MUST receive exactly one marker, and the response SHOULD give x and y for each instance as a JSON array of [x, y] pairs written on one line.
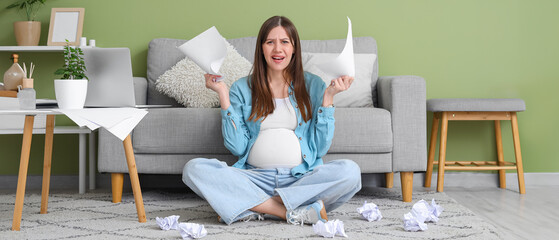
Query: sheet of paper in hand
[[344, 64], [207, 50]]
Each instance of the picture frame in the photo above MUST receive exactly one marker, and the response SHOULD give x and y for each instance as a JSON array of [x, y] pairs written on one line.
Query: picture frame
[[65, 23]]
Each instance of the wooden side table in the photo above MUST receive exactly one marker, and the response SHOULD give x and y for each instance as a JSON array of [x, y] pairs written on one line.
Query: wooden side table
[[24, 162], [469, 109], [82, 132]]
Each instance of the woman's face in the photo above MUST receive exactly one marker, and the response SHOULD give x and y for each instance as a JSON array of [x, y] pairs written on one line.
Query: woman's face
[[277, 49]]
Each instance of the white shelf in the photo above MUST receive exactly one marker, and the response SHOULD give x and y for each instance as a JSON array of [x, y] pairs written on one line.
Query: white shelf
[[57, 130], [31, 48]]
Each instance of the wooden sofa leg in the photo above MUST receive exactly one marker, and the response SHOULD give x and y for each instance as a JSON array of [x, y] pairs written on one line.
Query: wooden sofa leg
[[389, 179], [407, 185], [116, 183]]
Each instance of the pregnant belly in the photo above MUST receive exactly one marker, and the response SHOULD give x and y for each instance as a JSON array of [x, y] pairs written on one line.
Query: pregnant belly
[[275, 148]]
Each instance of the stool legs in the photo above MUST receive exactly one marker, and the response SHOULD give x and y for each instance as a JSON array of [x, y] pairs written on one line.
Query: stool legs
[[432, 147], [442, 152], [500, 155], [517, 153]]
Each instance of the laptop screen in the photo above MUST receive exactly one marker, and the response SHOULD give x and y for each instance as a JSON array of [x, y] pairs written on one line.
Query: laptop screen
[[109, 71]]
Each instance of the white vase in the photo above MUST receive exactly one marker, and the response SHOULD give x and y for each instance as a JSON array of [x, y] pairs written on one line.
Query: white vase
[[70, 94]]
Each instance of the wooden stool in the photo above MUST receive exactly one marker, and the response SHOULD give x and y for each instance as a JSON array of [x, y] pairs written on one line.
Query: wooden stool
[[464, 109]]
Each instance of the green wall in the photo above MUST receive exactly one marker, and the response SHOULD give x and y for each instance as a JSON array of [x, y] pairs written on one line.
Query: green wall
[[463, 48]]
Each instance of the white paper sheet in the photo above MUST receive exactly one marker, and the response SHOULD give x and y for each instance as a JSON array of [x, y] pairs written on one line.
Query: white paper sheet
[[344, 64], [370, 211], [192, 230], [329, 229], [168, 223], [119, 121], [207, 50]]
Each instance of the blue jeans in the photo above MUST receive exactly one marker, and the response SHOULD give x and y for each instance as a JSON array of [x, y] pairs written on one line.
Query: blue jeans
[[232, 192]]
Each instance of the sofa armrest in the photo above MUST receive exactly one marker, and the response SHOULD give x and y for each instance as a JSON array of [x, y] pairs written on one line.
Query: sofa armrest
[[141, 90], [405, 98]]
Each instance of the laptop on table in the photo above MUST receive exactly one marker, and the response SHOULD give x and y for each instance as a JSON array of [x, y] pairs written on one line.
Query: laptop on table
[[111, 83]]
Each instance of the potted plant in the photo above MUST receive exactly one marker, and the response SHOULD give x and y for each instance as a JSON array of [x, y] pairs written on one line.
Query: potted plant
[[28, 32], [71, 89]]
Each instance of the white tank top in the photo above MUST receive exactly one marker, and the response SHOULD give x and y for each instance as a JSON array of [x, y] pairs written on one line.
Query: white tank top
[[277, 145]]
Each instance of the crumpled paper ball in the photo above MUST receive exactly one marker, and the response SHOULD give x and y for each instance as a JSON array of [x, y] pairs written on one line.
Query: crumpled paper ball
[[422, 212], [192, 230], [330, 228], [414, 221], [168, 223], [370, 211], [435, 211]]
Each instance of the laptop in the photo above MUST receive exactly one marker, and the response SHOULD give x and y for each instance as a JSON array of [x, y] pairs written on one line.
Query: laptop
[[111, 83]]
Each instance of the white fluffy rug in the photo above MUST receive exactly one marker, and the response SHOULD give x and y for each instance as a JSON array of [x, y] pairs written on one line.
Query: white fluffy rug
[[93, 216]]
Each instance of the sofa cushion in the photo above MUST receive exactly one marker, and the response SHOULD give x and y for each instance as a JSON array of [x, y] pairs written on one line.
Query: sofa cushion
[[362, 130], [360, 94], [163, 54], [180, 130], [198, 131]]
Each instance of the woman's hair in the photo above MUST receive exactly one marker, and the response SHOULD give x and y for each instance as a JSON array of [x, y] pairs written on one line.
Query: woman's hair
[[262, 100]]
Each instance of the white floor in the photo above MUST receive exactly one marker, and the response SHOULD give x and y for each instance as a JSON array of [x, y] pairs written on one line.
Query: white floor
[[534, 215]]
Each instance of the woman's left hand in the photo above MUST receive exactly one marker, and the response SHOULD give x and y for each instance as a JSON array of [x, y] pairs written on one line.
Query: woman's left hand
[[339, 85]]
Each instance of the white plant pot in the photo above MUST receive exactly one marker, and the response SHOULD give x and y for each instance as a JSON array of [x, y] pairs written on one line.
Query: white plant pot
[[70, 94]]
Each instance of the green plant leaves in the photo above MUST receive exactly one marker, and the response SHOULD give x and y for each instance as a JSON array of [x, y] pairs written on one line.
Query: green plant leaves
[[30, 6], [74, 65]]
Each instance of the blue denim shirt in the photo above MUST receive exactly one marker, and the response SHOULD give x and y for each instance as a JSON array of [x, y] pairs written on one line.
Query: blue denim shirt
[[315, 136]]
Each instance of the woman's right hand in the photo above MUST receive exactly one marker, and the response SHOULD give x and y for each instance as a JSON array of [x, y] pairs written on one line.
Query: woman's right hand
[[213, 84], [220, 88]]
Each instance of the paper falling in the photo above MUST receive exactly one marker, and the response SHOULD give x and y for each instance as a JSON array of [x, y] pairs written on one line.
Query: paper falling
[[207, 50], [168, 223], [370, 211], [330, 228], [422, 212], [344, 64], [192, 230]]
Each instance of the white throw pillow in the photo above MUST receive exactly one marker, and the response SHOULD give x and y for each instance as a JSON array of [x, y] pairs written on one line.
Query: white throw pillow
[[360, 94], [185, 81]]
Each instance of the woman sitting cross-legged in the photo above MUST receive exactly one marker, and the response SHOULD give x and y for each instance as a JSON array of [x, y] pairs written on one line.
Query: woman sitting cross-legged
[[279, 121]]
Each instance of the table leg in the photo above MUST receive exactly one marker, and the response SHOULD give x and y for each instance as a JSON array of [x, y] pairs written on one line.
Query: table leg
[[92, 160], [82, 163], [47, 163], [22, 176], [134, 180]]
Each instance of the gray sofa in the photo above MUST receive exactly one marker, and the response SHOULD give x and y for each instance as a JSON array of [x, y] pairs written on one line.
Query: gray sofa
[[387, 138]]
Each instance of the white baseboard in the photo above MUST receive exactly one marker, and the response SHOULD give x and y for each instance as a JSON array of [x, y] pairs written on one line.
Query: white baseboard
[[452, 179]]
